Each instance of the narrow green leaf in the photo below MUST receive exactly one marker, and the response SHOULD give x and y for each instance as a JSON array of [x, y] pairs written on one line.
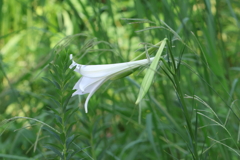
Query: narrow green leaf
[[62, 137], [14, 157], [66, 100], [69, 115], [55, 145], [148, 78], [55, 83], [56, 151], [131, 145], [54, 110], [69, 128], [58, 118], [69, 140], [58, 124], [149, 126], [72, 154], [54, 134], [47, 79]]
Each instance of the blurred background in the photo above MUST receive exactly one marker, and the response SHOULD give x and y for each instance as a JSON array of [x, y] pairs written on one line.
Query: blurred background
[[206, 32]]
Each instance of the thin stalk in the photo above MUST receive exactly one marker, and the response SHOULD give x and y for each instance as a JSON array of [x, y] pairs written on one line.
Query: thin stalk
[[65, 142], [33, 119], [181, 98], [180, 94], [64, 131], [150, 50]]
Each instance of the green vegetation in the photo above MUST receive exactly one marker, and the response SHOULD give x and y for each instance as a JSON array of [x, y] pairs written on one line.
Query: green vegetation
[[191, 107]]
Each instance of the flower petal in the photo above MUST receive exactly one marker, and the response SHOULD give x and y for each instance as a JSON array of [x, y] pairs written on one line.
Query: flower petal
[[95, 87], [78, 66], [86, 83], [78, 92], [108, 69]]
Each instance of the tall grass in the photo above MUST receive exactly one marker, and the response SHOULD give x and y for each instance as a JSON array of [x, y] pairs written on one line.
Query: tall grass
[[191, 110]]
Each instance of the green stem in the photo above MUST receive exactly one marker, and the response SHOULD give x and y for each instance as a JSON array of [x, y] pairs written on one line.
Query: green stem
[[177, 85], [187, 117], [65, 142], [45, 124], [63, 123], [150, 50]]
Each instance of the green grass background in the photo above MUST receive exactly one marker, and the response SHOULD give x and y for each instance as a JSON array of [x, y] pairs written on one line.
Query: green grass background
[[205, 32]]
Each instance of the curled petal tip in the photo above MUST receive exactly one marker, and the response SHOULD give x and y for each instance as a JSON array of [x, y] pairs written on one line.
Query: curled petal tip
[[70, 56], [86, 109], [74, 64]]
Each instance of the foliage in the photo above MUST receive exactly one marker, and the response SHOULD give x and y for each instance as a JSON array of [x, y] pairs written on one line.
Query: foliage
[[191, 110]]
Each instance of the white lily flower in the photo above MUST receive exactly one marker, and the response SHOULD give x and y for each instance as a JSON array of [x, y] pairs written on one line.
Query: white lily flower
[[93, 76]]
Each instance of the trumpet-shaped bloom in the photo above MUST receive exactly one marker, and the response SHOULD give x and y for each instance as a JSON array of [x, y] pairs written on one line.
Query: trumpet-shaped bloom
[[93, 76]]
